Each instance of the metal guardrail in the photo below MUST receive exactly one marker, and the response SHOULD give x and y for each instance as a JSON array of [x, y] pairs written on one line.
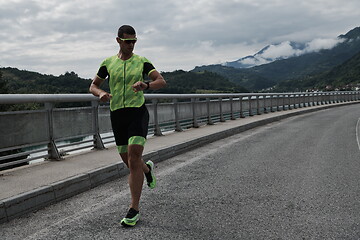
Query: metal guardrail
[[51, 132]]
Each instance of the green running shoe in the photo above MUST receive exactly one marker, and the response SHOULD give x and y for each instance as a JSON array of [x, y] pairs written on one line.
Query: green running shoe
[[131, 218], [150, 177]]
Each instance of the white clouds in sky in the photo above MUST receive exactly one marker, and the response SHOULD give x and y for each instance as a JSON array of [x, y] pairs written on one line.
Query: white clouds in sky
[[76, 35], [286, 49]]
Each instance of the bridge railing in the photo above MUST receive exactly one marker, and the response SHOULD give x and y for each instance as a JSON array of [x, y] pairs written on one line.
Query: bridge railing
[[52, 132]]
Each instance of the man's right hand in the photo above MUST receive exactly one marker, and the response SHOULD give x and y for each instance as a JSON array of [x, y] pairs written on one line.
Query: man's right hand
[[104, 96]]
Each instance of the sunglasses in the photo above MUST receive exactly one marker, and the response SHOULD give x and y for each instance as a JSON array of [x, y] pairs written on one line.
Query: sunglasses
[[129, 40]]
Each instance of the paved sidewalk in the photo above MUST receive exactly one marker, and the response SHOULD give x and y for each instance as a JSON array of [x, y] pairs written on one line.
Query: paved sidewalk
[[35, 186]]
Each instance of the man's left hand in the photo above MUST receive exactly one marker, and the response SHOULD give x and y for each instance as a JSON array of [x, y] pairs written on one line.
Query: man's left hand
[[139, 86]]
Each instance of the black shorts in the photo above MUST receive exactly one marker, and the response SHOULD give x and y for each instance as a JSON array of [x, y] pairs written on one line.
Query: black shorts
[[128, 123]]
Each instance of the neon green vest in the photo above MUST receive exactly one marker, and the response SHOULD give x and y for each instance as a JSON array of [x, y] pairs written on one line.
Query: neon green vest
[[122, 75]]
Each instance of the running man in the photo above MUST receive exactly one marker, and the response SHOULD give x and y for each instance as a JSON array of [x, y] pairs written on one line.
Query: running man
[[129, 115]]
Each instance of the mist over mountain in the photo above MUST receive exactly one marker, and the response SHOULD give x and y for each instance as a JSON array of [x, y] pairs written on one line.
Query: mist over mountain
[[288, 61], [283, 50]]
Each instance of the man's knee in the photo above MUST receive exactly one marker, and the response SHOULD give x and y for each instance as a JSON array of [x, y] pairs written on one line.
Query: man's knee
[[135, 155]]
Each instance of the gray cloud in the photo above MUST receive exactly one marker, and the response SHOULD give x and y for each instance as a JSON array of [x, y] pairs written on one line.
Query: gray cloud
[[57, 36]]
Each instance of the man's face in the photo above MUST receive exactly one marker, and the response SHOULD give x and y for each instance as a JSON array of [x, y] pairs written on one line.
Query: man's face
[[127, 43]]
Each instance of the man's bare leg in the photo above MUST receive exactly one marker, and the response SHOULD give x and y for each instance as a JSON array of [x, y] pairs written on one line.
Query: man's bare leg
[[136, 177]]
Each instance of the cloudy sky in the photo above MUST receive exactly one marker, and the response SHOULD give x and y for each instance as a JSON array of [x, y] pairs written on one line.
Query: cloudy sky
[[56, 36]]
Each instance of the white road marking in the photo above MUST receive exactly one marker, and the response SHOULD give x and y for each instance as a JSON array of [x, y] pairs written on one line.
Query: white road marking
[[357, 133]]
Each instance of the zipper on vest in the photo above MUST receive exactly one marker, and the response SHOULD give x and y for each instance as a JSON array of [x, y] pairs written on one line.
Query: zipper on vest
[[124, 84]]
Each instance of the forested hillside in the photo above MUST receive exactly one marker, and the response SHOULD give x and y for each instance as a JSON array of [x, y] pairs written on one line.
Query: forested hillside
[[345, 76], [200, 82], [22, 81]]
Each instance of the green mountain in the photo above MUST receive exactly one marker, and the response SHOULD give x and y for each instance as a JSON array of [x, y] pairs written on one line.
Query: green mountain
[[243, 77], [345, 76], [22, 81], [199, 82], [267, 75]]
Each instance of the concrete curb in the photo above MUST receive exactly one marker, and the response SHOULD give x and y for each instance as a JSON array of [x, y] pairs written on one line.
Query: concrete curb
[[27, 202]]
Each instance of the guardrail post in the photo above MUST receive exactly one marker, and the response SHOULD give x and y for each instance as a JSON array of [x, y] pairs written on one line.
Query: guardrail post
[[317, 99], [222, 119], [241, 107], [176, 112], [321, 95], [289, 105], [250, 110], [278, 103], [265, 108], [98, 143], [300, 100], [258, 105], [232, 109], [304, 100], [327, 98], [283, 100], [307, 101], [157, 129], [295, 101], [209, 120], [313, 99], [322, 98], [52, 149], [193, 104]]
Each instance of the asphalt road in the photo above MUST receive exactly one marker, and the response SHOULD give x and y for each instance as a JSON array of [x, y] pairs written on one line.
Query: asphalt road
[[294, 179]]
